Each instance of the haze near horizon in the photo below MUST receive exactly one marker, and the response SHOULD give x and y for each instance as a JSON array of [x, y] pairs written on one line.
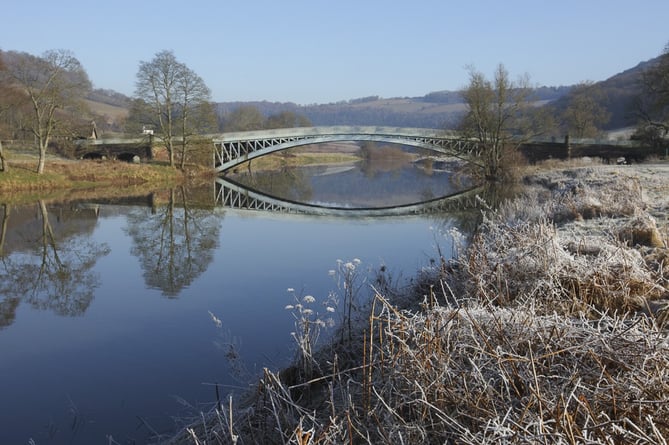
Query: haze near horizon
[[315, 52]]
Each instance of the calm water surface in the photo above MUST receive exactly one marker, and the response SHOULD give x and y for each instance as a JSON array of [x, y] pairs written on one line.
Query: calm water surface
[[105, 325]]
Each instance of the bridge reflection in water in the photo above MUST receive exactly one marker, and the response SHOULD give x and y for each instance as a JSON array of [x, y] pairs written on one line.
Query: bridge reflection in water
[[232, 195]]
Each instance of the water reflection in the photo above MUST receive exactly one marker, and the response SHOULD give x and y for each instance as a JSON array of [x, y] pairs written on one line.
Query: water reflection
[[231, 195], [130, 348], [174, 242], [349, 186], [48, 264], [291, 184]]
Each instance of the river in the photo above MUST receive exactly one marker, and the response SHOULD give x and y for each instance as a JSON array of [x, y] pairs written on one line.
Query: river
[[119, 319]]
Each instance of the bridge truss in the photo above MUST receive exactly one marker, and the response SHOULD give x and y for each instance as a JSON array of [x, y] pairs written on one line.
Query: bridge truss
[[232, 149], [231, 195]]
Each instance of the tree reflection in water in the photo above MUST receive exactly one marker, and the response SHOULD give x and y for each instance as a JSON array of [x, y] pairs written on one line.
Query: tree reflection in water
[[175, 243], [287, 182], [48, 270]]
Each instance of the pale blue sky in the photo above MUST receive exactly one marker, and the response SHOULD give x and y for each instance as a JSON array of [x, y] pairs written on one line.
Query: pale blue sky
[[314, 51]]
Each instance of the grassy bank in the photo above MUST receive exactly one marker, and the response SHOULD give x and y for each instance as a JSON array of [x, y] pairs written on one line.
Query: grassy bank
[[284, 160], [550, 326], [65, 177]]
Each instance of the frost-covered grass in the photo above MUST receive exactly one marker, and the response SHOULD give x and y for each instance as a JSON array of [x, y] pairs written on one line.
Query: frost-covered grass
[[572, 244], [549, 327]]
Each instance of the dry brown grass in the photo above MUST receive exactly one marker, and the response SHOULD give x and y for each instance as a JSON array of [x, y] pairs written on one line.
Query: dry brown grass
[[571, 245], [469, 375], [550, 327], [63, 177]]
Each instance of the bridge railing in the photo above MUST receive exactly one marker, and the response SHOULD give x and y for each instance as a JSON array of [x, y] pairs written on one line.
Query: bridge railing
[[232, 149], [333, 130]]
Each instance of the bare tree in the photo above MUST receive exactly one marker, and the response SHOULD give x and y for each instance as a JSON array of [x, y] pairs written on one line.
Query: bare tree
[[654, 102], [3, 160], [156, 87], [172, 93], [497, 117], [195, 112], [56, 81], [584, 113]]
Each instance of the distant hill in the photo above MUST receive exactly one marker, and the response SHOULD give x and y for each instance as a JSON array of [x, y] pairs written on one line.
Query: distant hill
[[109, 109], [394, 112], [622, 91], [109, 97], [439, 109], [444, 109], [619, 94]]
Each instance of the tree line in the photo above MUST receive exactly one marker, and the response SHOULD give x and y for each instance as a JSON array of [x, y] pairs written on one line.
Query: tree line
[[500, 115], [42, 98]]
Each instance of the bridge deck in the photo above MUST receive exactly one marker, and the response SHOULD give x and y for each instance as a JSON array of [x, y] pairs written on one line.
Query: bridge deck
[[334, 130], [232, 149]]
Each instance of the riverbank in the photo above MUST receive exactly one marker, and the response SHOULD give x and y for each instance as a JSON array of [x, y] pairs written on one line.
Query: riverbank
[[549, 326], [302, 159], [68, 178]]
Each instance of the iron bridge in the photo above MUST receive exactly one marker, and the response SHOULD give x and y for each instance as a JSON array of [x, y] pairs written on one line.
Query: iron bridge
[[230, 195], [233, 149]]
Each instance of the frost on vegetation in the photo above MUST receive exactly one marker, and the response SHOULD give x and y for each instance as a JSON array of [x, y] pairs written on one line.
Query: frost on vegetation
[[642, 230], [312, 316], [573, 265], [558, 335], [476, 376], [561, 272], [308, 325], [563, 196]]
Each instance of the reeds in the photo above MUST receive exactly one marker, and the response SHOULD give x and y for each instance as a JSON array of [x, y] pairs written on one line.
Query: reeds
[[475, 376], [542, 250], [544, 330]]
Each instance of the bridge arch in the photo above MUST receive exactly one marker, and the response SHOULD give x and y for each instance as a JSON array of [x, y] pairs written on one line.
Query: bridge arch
[[93, 155], [129, 157], [233, 149], [231, 195]]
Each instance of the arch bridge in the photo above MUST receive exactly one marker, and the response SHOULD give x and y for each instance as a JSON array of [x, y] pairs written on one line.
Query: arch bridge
[[231, 195], [233, 149]]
